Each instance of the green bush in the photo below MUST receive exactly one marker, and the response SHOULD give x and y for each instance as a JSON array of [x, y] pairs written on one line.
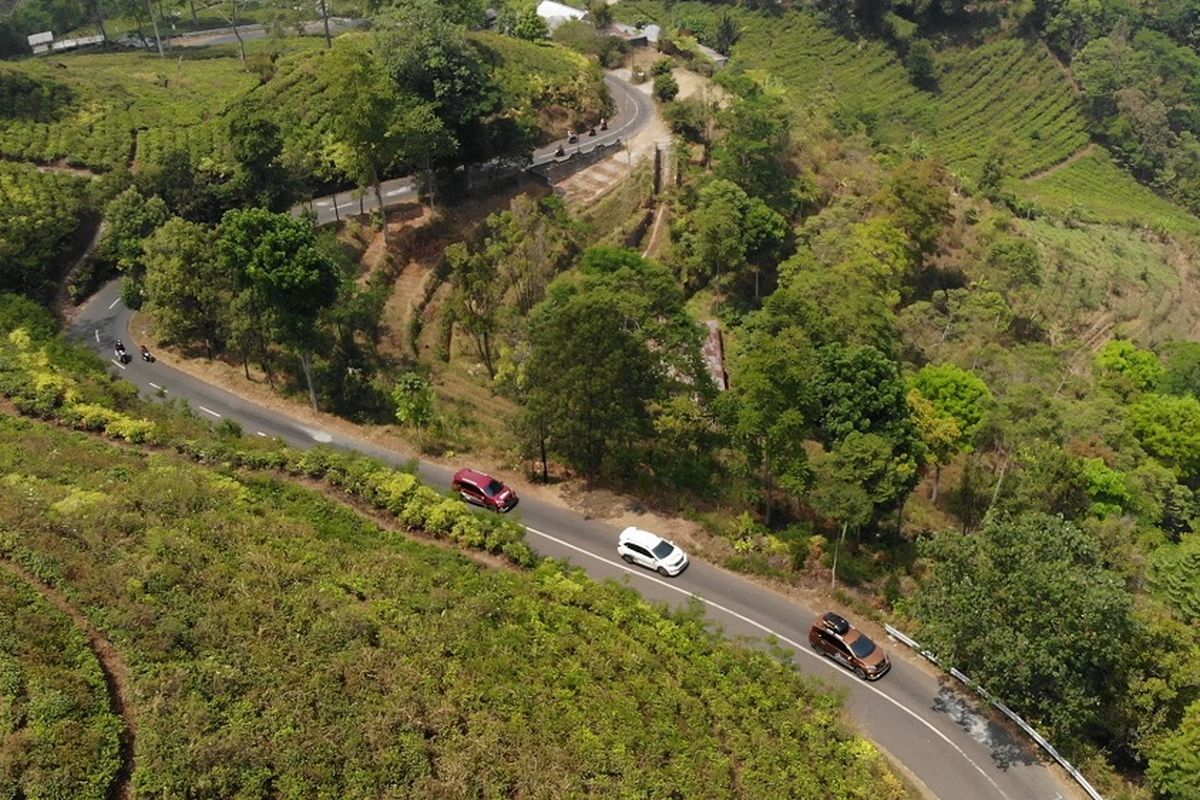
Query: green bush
[[665, 87]]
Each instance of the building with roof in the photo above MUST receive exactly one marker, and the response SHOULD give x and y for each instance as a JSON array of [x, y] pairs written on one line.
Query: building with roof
[[556, 14]]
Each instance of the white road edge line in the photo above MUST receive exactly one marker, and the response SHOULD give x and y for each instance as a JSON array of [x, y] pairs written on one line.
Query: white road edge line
[[209, 411], [260, 433], [97, 332], [113, 304], [156, 386], [786, 640], [118, 363]]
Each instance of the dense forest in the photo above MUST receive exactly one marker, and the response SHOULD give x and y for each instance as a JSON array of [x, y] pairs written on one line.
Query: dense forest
[[947, 246]]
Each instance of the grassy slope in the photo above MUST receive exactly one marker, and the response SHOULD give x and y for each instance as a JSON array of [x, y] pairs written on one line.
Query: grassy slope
[[1104, 269], [114, 95], [57, 735], [180, 101], [1007, 94], [1101, 188], [281, 646]]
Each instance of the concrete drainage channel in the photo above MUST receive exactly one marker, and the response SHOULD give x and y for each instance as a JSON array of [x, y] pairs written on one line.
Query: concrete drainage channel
[[1005, 710]]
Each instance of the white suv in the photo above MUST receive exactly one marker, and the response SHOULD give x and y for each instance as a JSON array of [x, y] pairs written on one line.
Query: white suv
[[637, 546]]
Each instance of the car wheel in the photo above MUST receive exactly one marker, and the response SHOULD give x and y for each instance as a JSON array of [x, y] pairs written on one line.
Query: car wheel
[[860, 672], [663, 571], [628, 558]]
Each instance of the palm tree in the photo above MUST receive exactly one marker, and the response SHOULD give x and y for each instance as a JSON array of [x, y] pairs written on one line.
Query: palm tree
[[726, 34]]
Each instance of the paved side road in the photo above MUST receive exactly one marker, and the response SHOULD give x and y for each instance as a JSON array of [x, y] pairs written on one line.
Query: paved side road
[[634, 112], [941, 736]]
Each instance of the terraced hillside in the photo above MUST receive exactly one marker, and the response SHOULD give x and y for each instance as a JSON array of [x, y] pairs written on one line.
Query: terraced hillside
[[58, 737], [1097, 186], [1009, 94], [100, 110], [87, 109]]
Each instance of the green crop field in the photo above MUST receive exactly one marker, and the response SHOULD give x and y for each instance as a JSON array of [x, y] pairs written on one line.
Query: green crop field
[[39, 213], [278, 645], [102, 100], [1009, 94], [1096, 267], [1096, 184], [57, 735]]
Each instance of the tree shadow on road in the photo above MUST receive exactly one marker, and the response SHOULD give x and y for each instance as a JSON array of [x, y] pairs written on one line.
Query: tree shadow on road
[[1007, 746]]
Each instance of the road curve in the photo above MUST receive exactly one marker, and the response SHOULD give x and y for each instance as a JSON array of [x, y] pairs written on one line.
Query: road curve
[[938, 734], [634, 110]]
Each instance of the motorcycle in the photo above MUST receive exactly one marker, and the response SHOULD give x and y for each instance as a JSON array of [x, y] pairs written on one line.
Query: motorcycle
[[122, 356], [146, 356]]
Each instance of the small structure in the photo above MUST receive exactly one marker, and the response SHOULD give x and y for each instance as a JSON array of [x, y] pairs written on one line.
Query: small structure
[[44, 42], [653, 33], [632, 36], [556, 14], [718, 60], [40, 42], [71, 44]]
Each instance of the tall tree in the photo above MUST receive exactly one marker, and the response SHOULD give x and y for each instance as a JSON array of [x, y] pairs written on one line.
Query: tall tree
[[476, 300], [957, 401], [732, 233], [607, 342], [756, 150], [1174, 768], [1027, 609], [770, 404], [130, 217], [918, 196], [188, 293], [591, 379], [287, 277], [257, 145], [425, 48], [377, 127]]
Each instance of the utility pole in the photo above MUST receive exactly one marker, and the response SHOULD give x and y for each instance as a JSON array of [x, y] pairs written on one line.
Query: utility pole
[[325, 19], [154, 22]]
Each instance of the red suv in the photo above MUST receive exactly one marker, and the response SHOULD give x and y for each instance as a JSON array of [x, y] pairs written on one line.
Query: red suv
[[483, 490], [845, 644]]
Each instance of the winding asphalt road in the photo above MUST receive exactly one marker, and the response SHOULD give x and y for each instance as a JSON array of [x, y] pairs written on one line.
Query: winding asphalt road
[[940, 735], [634, 110]]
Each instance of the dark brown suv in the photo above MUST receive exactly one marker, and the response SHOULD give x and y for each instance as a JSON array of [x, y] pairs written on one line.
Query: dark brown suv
[[845, 644]]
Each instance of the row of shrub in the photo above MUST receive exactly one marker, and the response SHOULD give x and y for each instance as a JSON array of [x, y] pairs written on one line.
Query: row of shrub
[[280, 645], [59, 737], [33, 377]]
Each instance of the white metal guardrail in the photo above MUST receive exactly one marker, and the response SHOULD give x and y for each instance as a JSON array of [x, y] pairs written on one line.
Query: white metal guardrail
[[1005, 710]]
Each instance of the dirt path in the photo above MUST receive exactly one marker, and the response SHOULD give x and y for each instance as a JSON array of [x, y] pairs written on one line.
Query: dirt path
[[655, 231], [63, 308], [1082, 152], [116, 675]]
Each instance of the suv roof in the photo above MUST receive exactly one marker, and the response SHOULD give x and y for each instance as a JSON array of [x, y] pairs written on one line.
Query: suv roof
[[835, 622], [474, 476], [638, 536]]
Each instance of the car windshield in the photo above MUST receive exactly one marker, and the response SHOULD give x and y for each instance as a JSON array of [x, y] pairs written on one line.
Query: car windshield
[[493, 488], [862, 647], [663, 549]]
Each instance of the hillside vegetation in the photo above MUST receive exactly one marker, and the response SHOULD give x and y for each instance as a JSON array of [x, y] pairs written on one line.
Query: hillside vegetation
[[58, 737], [280, 645]]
